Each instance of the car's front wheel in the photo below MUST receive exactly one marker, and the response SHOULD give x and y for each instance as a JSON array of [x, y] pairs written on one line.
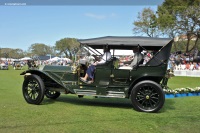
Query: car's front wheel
[[33, 89], [147, 96]]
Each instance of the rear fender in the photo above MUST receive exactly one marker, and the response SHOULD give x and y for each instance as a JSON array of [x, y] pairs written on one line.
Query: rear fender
[[134, 82]]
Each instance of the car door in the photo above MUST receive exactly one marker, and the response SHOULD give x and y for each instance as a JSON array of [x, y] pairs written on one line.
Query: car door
[[120, 77]]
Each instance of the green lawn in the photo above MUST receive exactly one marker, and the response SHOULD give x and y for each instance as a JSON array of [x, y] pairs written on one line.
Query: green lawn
[[70, 114], [182, 82]]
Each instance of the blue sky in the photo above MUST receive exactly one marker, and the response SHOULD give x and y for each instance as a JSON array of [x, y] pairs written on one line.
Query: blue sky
[[21, 26]]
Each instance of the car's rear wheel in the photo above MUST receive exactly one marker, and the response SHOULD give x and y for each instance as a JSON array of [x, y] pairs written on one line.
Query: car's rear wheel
[[33, 89], [52, 94], [147, 96]]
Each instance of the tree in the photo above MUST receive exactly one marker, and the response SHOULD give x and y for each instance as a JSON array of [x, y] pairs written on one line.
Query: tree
[[180, 17], [40, 49], [12, 53], [68, 46], [146, 23], [16, 53], [190, 26]]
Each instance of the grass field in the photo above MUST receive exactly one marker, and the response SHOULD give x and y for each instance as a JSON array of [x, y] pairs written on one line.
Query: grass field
[[70, 114], [181, 82]]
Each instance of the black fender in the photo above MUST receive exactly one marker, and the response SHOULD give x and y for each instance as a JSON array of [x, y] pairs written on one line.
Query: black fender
[[39, 73], [142, 78]]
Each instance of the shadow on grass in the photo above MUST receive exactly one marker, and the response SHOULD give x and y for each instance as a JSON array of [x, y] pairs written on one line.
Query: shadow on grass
[[104, 102], [169, 105], [91, 101]]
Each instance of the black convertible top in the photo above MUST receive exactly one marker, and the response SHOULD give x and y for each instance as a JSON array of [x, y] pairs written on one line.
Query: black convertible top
[[125, 41]]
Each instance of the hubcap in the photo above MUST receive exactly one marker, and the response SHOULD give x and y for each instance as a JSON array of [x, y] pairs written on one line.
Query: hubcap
[[32, 90], [147, 97]]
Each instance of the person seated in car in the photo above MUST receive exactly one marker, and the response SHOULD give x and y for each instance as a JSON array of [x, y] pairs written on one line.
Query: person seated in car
[[138, 57], [90, 71]]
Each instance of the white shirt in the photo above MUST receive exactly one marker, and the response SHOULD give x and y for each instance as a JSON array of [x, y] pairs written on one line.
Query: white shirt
[[106, 56]]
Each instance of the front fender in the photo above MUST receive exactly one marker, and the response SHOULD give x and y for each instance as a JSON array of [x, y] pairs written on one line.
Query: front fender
[[41, 73]]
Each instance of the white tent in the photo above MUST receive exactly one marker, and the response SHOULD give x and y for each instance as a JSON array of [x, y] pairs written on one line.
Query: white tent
[[66, 59], [25, 58], [55, 59]]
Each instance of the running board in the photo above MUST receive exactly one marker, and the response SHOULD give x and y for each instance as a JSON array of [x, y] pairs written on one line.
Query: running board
[[114, 94], [85, 92]]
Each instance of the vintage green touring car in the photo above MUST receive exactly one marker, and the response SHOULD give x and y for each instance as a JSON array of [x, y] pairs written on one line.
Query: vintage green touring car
[[143, 84]]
